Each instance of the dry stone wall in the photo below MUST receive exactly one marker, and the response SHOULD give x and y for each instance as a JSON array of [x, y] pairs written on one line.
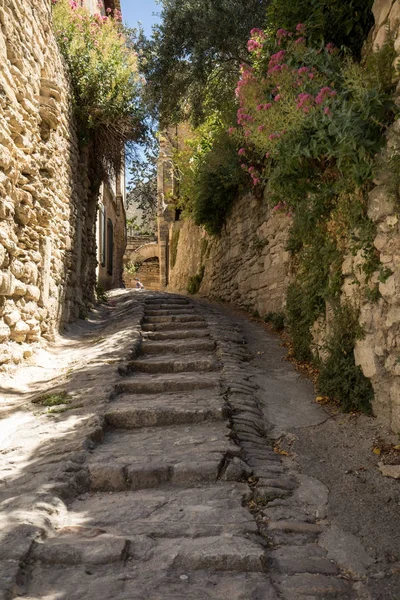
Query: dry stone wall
[[248, 265], [46, 237]]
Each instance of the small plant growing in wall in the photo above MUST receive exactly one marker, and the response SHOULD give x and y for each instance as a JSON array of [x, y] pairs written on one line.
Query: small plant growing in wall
[[174, 247], [195, 281], [276, 320]]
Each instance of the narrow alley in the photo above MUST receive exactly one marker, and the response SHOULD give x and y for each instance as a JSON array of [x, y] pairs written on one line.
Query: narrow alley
[[166, 478]]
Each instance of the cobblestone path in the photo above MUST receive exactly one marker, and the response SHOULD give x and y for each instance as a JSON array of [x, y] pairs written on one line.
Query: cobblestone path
[[186, 498]]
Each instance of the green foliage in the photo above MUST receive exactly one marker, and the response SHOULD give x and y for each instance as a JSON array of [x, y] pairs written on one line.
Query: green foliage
[[195, 281], [343, 23], [132, 268], [339, 377], [204, 249], [104, 76], [53, 399], [299, 322], [373, 294], [101, 294], [142, 184], [276, 319], [197, 47], [210, 175], [174, 246]]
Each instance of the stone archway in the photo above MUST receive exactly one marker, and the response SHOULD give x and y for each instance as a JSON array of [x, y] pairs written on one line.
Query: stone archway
[[149, 273], [143, 263]]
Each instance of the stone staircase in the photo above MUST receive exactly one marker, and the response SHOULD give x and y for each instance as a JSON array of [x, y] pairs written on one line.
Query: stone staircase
[[184, 456], [162, 519]]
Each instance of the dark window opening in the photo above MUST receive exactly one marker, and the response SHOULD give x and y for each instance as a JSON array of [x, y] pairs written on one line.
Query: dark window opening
[[102, 235], [110, 246]]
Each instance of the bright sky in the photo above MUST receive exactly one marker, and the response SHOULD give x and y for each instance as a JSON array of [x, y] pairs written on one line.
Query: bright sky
[[140, 10]]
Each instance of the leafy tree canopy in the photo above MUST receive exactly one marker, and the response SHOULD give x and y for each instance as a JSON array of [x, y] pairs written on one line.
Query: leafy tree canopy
[[343, 23], [192, 61]]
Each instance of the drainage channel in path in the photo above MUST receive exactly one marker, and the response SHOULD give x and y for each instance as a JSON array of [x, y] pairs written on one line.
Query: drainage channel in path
[[166, 517]]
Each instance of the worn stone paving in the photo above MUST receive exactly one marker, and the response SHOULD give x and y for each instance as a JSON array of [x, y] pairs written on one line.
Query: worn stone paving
[[185, 497]]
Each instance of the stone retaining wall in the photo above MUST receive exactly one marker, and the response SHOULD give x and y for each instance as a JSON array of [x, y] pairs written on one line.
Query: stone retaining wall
[[248, 265], [46, 235]]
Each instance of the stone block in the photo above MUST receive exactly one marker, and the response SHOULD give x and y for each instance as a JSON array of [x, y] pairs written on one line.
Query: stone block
[[19, 331], [19, 288], [6, 283], [12, 318], [4, 331], [365, 356], [32, 293], [381, 10], [380, 203]]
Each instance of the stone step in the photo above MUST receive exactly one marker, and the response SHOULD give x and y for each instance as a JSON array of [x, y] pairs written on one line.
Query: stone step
[[310, 558], [173, 382], [160, 312], [206, 511], [178, 318], [167, 300], [70, 549], [154, 457], [219, 553], [149, 581], [177, 334], [303, 586], [178, 347], [174, 326], [131, 412], [172, 364]]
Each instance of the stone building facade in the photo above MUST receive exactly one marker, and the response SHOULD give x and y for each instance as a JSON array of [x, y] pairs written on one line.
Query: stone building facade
[[249, 265], [47, 211]]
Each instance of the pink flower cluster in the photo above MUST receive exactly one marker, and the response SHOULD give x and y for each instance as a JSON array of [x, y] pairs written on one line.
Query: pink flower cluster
[[256, 42], [255, 176], [305, 102], [254, 45], [266, 106], [323, 94], [243, 117]]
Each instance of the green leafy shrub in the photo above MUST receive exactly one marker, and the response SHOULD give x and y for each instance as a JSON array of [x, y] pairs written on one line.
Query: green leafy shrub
[[313, 121], [104, 76], [340, 378], [299, 322], [101, 294], [195, 281], [210, 175], [276, 319]]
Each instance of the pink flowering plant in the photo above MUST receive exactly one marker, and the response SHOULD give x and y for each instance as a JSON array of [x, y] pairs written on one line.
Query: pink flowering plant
[[103, 70], [303, 110]]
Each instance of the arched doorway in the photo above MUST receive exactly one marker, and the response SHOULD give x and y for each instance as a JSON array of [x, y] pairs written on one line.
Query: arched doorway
[[149, 273], [142, 263]]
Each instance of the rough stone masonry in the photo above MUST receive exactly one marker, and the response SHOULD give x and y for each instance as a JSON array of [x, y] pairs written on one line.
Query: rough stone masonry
[[46, 235]]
